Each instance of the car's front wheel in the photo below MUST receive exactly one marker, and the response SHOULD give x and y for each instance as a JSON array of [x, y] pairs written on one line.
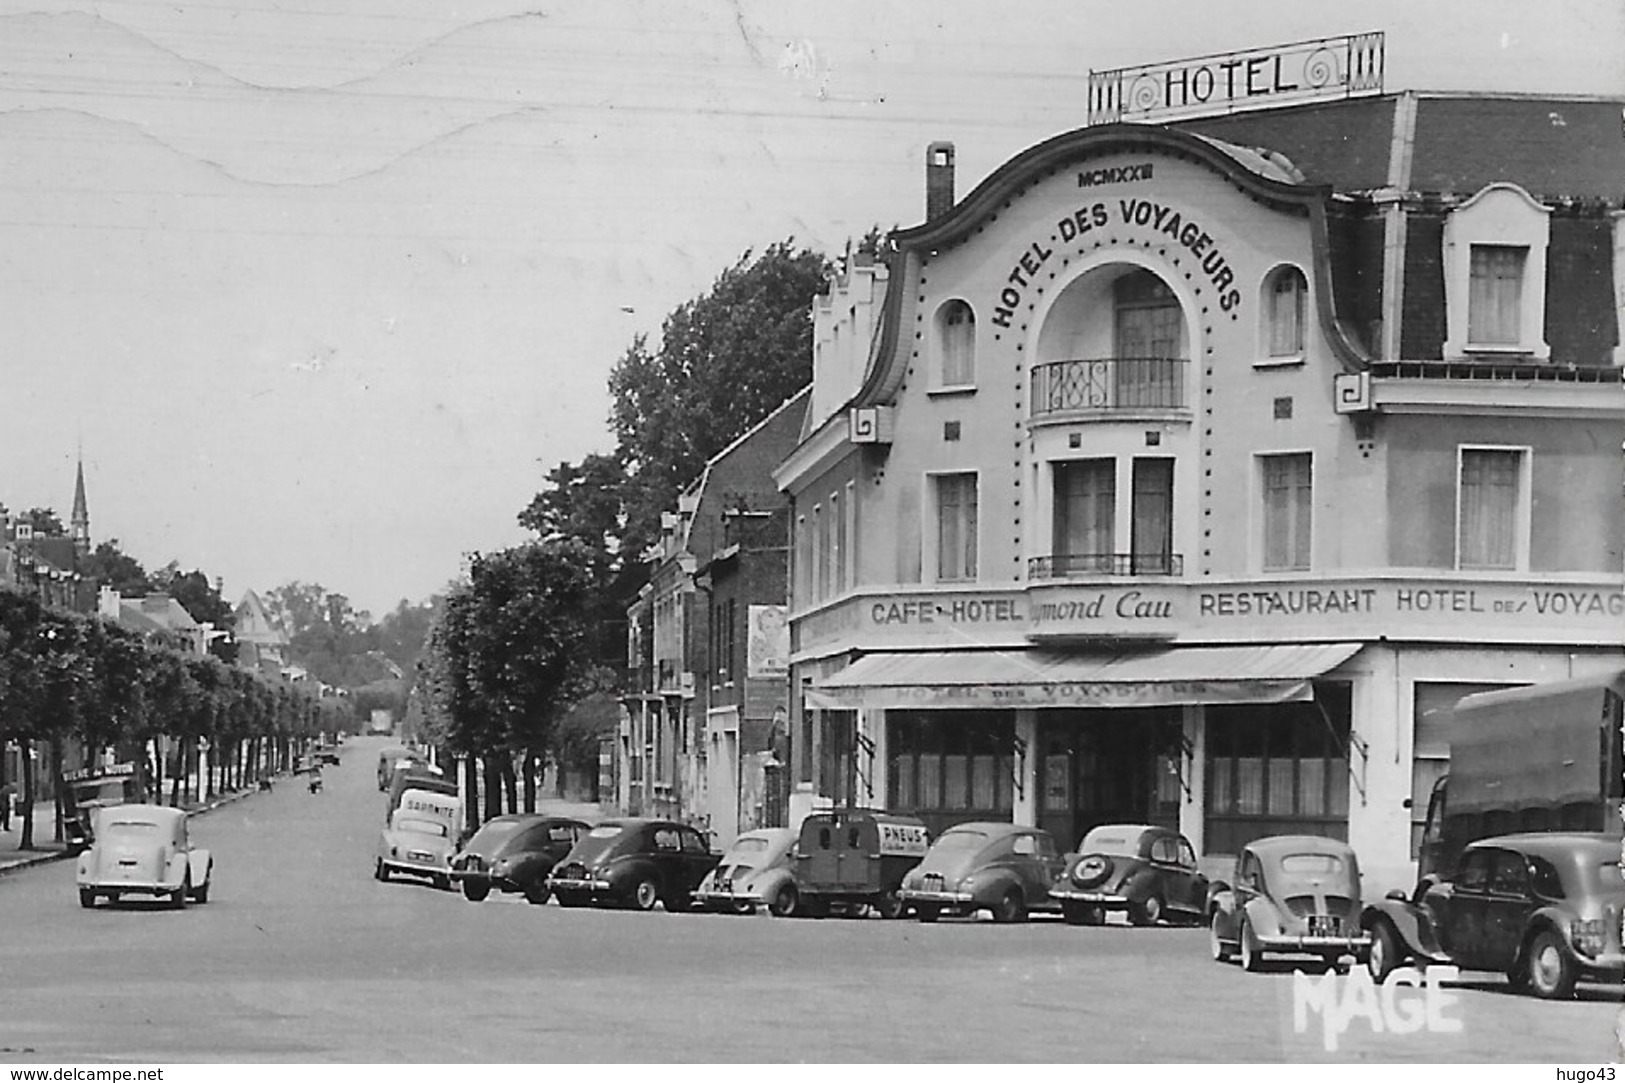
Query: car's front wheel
[[927, 912], [571, 899], [87, 898], [177, 898], [645, 895], [889, 905], [201, 895], [476, 890], [537, 894], [786, 903], [1385, 953], [1148, 912], [1552, 973], [380, 872], [1011, 908]]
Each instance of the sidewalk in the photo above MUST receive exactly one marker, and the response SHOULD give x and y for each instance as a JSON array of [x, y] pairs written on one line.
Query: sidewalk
[[46, 848]]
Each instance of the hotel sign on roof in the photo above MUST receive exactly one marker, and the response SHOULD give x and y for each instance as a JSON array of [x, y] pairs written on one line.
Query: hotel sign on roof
[[1305, 71]]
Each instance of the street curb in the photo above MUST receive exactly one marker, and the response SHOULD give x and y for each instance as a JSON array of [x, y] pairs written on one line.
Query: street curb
[[45, 857]]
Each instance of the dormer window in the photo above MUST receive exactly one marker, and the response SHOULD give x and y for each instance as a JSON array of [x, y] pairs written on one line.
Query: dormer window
[[1495, 275], [1495, 297], [956, 345]]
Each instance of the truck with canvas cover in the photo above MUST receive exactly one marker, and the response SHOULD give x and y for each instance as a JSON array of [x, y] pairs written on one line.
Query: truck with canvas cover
[[1546, 757]]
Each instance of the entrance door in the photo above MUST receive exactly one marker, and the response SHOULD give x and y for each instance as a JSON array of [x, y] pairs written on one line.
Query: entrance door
[[1101, 767]]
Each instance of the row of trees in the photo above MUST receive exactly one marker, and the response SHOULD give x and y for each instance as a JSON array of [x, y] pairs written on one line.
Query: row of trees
[[68, 677], [537, 628]]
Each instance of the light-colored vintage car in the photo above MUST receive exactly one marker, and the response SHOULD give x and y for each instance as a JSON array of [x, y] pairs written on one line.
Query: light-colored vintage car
[[143, 850], [754, 872], [420, 838], [1293, 894]]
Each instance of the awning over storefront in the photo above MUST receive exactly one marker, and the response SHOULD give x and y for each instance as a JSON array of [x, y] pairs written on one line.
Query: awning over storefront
[[1053, 678]]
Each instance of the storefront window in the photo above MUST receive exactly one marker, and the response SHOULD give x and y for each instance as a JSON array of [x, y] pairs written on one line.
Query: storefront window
[[950, 766], [1277, 769]]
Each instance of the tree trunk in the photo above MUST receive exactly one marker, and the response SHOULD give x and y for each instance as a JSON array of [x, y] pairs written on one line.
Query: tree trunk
[[471, 793], [493, 787], [509, 787], [27, 748], [156, 758], [530, 780], [56, 786]]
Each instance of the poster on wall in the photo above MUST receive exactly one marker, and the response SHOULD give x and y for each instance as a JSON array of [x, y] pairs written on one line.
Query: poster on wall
[[767, 647]]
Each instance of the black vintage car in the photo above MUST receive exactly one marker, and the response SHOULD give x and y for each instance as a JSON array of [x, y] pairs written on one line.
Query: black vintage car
[[633, 863], [514, 853], [1542, 908], [1147, 871]]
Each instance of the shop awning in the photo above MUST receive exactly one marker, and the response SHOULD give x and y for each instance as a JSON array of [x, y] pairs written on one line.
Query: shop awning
[[1044, 677]]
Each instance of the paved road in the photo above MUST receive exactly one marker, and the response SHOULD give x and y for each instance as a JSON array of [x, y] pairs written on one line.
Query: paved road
[[301, 956]]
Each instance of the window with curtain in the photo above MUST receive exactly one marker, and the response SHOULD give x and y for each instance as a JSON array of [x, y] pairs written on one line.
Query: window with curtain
[[1152, 541], [1276, 769], [1085, 514], [1286, 304], [1288, 499], [837, 545], [957, 330], [1489, 508], [1495, 295], [956, 526]]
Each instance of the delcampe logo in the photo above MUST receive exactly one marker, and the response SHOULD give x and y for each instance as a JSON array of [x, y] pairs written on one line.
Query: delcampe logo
[[1406, 1002]]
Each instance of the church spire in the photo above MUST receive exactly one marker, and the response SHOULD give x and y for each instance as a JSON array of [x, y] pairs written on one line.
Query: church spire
[[80, 523]]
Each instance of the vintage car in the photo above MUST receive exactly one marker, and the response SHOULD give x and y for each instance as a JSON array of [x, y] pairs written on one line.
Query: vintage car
[[1543, 909], [855, 859], [328, 754], [419, 837], [999, 867], [391, 755], [1293, 894], [754, 872], [143, 850], [514, 853], [634, 863], [1146, 871]]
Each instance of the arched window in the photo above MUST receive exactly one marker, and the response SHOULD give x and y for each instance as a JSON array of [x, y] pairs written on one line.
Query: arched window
[[956, 337], [1285, 307]]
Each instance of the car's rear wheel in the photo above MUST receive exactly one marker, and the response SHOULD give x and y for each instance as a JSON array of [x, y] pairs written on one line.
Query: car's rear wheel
[[680, 903], [571, 899], [1148, 912], [476, 890], [787, 903], [177, 898], [201, 895], [1011, 908], [380, 872], [1385, 953], [1252, 959], [645, 895], [1215, 943], [538, 894], [889, 905], [1552, 973], [87, 898], [927, 912]]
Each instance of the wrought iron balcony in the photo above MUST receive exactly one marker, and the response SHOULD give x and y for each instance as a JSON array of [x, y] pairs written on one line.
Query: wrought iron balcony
[[1080, 565], [1109, 384]]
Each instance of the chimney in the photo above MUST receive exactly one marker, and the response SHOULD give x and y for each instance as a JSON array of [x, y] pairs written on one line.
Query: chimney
[[939, 180]]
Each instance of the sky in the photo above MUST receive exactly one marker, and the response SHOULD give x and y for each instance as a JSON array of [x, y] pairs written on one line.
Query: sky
[[321, 289]]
